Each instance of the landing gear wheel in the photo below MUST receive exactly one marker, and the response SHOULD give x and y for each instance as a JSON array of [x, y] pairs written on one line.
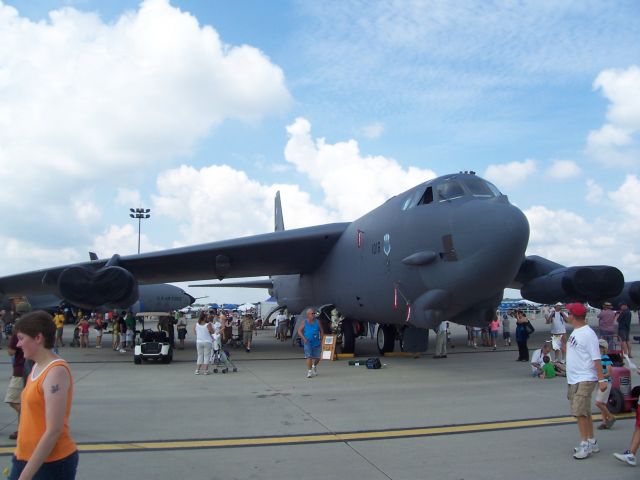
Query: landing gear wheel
[[348, 337], [616, 401], [386, 338]]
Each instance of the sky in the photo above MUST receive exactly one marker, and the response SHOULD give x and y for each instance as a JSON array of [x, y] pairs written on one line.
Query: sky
[[201, 111]]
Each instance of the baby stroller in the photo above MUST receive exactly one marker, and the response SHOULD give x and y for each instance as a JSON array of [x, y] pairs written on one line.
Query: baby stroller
[[220, 359], [75, 342]]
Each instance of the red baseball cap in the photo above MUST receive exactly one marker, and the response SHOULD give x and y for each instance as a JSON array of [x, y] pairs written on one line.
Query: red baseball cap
[[577, 309]]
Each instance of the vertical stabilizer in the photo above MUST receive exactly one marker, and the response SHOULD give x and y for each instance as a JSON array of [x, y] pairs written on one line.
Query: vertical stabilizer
[[279, 221]]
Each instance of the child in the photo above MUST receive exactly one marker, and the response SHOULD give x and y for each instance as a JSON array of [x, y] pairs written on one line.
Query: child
[[602, 397], [76, 337], [548, 370]]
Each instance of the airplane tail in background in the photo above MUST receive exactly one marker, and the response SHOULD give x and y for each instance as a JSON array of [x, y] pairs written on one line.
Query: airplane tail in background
[[279, 221]]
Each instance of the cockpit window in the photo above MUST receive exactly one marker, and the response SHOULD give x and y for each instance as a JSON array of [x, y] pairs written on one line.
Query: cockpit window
[[449, 190], [412, 199], [427, 197], [481, 188]]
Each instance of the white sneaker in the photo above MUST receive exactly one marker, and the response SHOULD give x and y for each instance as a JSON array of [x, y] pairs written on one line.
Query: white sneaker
[[309, 374], [627, 457], [581, 451], [122, 350], [314, 369], [593, 446], [197, 372]]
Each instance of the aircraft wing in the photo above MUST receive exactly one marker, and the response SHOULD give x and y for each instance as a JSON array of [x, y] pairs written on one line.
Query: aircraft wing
[[115, 280], [543, 281]]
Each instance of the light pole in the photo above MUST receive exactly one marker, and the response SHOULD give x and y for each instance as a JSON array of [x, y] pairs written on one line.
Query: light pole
[[139, 213]]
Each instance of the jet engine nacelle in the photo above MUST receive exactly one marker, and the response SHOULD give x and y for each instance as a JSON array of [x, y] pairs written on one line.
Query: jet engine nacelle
[[630, 295], [570, 284], [88, 288]]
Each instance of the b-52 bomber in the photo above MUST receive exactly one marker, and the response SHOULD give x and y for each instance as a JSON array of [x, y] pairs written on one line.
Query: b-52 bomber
[[443, 250]]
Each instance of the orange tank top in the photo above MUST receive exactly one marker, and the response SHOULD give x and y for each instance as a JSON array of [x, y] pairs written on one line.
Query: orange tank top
[[32, 418]]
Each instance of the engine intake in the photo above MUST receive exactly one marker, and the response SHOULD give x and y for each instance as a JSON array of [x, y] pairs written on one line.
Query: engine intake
[[88, 288], [570, 284]]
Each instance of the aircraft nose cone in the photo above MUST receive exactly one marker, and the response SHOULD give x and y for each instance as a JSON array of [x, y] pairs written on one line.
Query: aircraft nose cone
[[491, 237], [191, 299]]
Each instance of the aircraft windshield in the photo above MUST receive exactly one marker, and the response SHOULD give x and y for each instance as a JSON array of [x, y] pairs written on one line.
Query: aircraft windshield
[[449, 189], [481, 188]]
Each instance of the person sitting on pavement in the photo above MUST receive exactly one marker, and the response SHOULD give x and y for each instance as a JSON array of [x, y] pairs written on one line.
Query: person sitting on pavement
[[547, 370], [537, 361]]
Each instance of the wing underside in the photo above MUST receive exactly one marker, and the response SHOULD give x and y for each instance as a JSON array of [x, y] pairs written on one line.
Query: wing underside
[[277, 253]]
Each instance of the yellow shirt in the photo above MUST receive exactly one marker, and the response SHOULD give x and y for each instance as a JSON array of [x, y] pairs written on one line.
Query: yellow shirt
[[59, 320]]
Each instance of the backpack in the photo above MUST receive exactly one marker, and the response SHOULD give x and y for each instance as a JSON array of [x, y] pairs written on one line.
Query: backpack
[[373, 363]]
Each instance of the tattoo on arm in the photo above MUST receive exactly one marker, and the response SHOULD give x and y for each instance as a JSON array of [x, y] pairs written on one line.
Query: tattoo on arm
[[55, 388]]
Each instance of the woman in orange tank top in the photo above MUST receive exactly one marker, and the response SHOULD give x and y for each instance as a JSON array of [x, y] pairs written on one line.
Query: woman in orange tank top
[[45, 449]]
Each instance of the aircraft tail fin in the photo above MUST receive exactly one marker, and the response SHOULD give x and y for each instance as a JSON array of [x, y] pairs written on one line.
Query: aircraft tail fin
[[93, 256], [279, 220]]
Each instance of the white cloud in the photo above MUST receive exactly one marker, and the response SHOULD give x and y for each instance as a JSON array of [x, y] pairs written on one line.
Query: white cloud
[[563, 170], [86, 211], [128, 197], [511, 174], [83, 100], [595, 192], [373, 130], [220, 202], [14, 251], [352, 183], [616, 142], [122, 239], [627, 200]]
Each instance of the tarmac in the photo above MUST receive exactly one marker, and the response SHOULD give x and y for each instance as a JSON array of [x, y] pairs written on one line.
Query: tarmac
[[477, 414]]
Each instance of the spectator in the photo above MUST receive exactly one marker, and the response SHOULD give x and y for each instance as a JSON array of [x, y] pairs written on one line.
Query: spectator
[[83, 325], [45, 448], [282, 326], [247, 331], [602, 397], [624, 328], [537, 358], [99, 327], [506, 330], [494, 328], [441, 340], [203, 331], [182, 331], [115, 332], [311, 333], [607, 320], [584, 372], [557, 319], [16, 383], [130, 322], [58, 319], [547, 370], [523, 330]]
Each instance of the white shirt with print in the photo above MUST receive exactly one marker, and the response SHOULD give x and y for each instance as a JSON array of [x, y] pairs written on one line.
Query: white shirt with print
[[582, 350]]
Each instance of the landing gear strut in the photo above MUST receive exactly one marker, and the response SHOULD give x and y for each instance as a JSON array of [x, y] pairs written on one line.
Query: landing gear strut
[[348, 337]]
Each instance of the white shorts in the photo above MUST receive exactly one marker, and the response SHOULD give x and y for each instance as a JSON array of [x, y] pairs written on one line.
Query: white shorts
[[556, 341], [98, 332], [603, 396]]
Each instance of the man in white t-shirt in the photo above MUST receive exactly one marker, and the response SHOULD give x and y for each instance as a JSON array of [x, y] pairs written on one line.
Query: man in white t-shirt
[[557, 319], [584, 372], [441, 340]]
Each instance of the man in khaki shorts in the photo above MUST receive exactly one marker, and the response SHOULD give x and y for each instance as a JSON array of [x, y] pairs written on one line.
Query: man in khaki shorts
[[584, 372], [247, 331]]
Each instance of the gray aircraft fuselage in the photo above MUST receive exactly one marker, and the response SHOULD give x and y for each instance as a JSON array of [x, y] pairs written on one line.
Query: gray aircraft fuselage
[[450, 258]]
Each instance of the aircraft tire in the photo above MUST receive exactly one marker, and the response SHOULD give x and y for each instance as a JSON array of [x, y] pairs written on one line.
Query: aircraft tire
[[348, 337], [386, 338]]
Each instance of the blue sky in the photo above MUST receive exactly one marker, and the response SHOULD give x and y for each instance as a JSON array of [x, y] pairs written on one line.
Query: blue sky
[[201, 110]]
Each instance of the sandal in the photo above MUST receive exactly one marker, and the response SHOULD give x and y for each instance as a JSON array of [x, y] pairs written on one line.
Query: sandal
[[603, 426]]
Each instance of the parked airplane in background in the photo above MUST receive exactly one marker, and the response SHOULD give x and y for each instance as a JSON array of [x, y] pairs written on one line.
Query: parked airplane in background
[[443, 250], [160, 297]]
